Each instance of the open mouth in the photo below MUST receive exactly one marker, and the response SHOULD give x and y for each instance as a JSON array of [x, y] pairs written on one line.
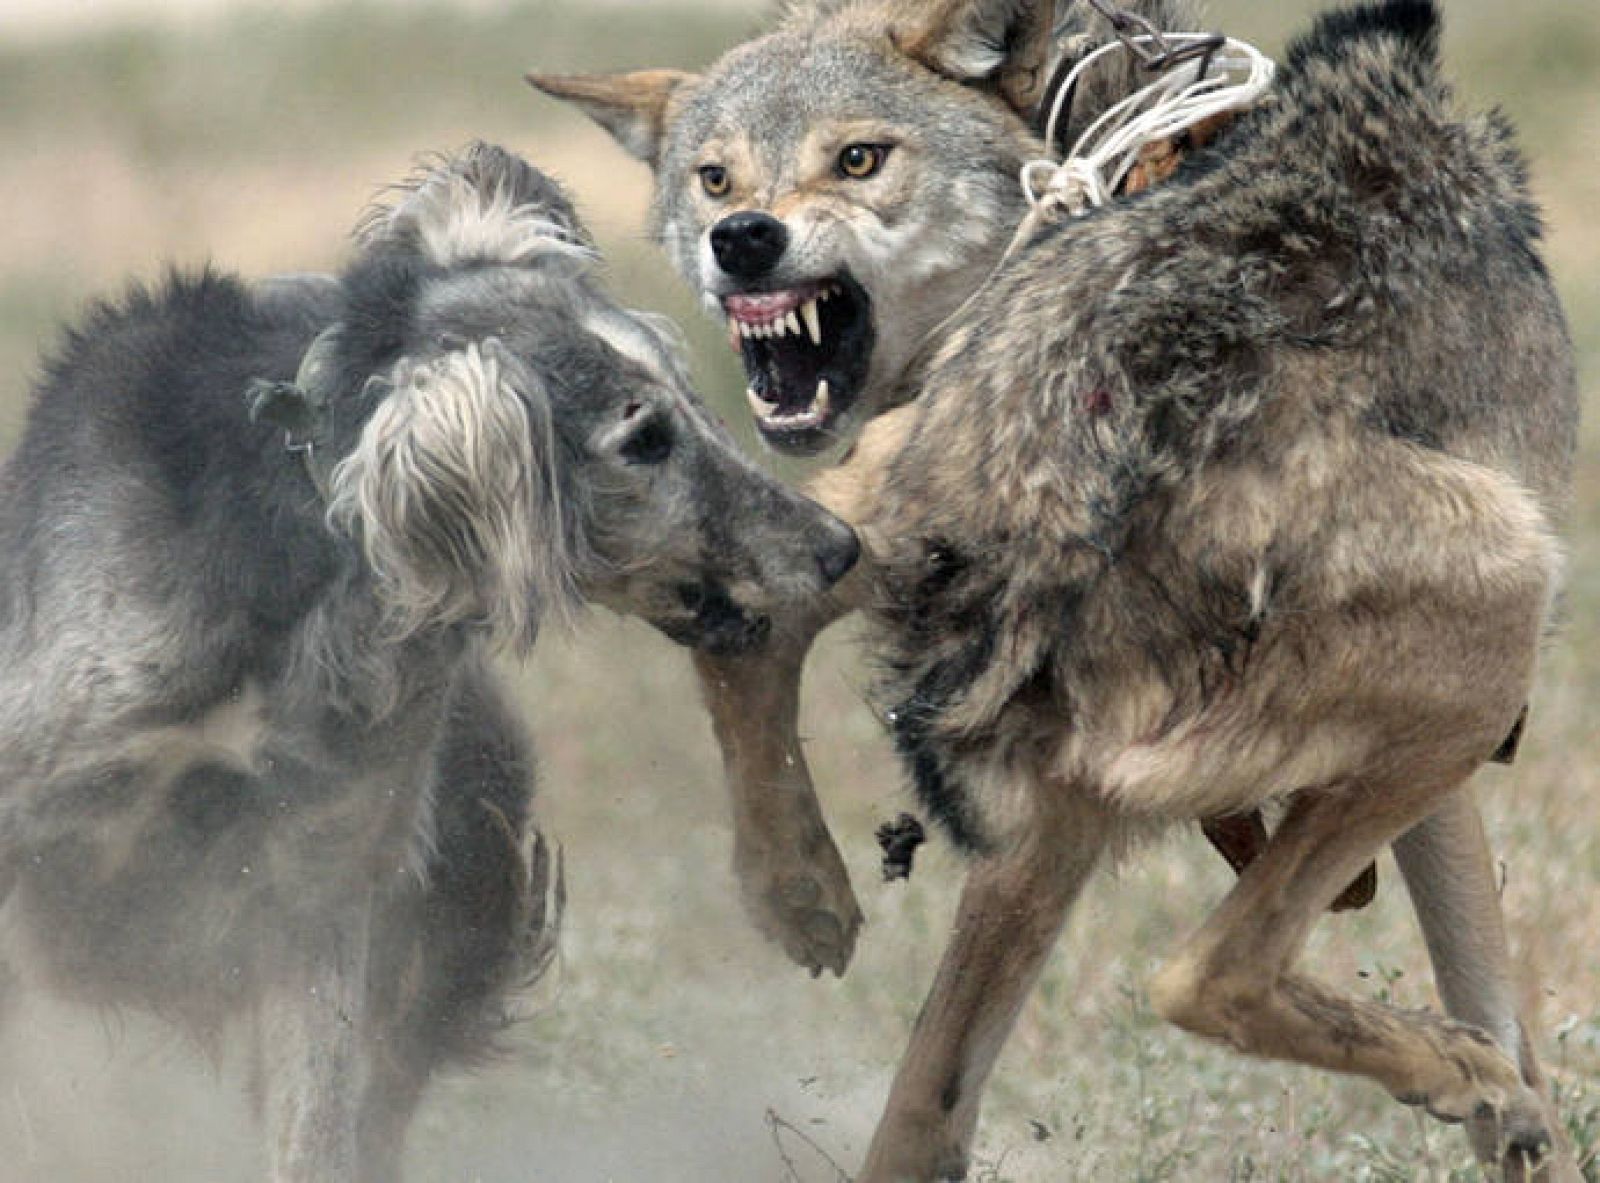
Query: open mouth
[[806, 350], [713, 623]]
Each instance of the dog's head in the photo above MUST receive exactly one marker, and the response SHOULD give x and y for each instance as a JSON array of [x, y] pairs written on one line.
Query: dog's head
[[837, 188], [503, 440]]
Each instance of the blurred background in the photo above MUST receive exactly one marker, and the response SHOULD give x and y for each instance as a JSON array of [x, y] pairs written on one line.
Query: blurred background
[[672, 1044]]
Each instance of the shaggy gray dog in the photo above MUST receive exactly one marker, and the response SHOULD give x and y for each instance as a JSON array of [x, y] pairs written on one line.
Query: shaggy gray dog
[[253, 765]]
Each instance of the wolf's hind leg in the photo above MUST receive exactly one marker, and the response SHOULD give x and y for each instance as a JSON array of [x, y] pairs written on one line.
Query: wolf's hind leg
[[1450, 874], [1232, 981], [1011, 910]]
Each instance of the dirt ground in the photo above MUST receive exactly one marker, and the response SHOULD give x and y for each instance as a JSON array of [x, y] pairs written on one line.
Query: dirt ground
[[673, 1045]]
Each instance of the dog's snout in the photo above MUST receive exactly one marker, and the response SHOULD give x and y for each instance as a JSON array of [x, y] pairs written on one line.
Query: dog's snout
[[838, 553], [749, 244]]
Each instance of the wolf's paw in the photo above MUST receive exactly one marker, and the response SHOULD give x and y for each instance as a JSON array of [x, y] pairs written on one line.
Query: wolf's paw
[[1520, 1137], [804, 904], [1510, 1129]]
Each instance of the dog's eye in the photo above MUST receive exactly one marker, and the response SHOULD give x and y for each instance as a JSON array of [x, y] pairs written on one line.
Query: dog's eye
[[651, 443], [860, 161], [714, 180]]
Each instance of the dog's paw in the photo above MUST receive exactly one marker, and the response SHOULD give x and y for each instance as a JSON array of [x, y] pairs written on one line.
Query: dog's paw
[[805, 905]]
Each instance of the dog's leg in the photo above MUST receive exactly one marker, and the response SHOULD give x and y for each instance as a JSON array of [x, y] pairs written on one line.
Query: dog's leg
[[1450, 874], [1232, 981], [314, 1067], [390, 1102], [791, 877], [1011, 910]]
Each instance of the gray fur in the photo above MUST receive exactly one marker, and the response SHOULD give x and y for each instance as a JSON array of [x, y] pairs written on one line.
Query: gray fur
[[254, 768]]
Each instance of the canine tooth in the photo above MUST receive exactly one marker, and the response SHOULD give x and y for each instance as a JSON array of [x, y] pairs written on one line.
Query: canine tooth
[[813, 320], [820, 407], [759, 405], [792, 323]]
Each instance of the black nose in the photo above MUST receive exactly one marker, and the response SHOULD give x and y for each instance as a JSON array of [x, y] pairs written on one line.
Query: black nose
[[838, 555], [749, 244]]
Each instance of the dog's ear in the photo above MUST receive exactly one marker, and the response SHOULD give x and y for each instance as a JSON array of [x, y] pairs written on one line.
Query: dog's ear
[[452, 493], [1004, 43], [632, 106], [485, 205]]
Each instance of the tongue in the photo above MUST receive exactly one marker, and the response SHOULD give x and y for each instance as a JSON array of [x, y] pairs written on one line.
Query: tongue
[[760, 307]]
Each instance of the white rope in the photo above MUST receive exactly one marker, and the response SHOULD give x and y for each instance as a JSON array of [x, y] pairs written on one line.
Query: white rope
[[1236, 75]]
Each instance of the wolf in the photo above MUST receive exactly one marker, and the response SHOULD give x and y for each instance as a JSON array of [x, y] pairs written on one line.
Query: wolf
[[1241, 490], [1237, 490], [255, 770]]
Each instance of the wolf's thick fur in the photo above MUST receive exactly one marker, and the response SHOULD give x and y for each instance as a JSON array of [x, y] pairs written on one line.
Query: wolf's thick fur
[[1241, 490], [253, 763]]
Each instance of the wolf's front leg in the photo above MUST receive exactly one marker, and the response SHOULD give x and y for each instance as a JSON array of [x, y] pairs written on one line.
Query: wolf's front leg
[[1012, 908], [791, 877]]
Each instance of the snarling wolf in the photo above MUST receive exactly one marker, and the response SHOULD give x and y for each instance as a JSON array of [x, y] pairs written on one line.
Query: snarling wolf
[[253, 763], [1239, 490]]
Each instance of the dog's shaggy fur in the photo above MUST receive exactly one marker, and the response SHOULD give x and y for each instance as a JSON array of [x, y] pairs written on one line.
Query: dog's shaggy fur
[[1241, 490], [253, 764]]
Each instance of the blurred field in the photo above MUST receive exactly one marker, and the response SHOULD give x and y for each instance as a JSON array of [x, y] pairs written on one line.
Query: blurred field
[[671, 1031]]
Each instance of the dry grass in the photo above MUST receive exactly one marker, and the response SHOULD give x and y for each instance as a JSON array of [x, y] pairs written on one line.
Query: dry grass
[[672, 1030]]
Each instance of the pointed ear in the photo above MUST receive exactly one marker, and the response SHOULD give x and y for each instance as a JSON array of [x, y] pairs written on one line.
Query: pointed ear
[[1001, 42], [632, 107]]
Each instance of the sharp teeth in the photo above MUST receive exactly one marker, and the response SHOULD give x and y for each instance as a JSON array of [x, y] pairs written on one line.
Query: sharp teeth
[[759, 405], [813, 320], [820, 407], [792, 323]]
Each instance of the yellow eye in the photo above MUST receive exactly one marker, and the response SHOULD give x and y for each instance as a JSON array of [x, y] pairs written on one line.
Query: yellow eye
[[714, 180], [860, 161]]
